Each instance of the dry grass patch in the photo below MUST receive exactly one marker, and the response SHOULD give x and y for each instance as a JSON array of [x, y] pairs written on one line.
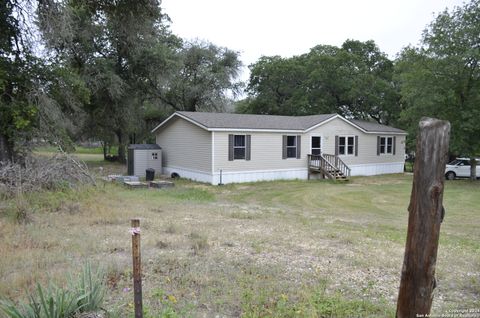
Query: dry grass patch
[[283, 249]]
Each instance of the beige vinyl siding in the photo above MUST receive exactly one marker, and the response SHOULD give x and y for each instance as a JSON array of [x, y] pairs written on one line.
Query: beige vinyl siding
[[185, 145], [266, 152], [367, 143]]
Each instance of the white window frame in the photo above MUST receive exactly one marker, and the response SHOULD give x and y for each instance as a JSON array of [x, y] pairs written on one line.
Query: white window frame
[[385, 149], [154, 155], [346, 145], [240, 147], [311, 144], [287, 146]]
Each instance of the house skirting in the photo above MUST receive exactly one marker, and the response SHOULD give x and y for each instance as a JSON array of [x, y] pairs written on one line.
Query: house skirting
[[195, 175], [376, 168], [280, 174], [261, 175]]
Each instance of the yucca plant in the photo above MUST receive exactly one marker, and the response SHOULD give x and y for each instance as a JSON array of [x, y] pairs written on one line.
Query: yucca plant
[[12, 311], [84, 294], [58, 303], [90, 285], [52, 302]]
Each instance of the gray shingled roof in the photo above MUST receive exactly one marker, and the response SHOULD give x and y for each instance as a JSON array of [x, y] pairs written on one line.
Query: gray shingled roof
[[273, 122], [144, 146], [371, 126], [248, 121]]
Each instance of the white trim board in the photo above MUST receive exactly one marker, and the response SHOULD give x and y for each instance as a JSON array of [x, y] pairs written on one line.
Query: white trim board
[[296, 131], [213, 150], [354, 125], [181, 116]]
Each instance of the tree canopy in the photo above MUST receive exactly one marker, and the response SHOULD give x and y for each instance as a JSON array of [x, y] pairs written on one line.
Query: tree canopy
[[26, 108], [441, 78], [204, 78], [111, 70], [134, 69], [354, 80]]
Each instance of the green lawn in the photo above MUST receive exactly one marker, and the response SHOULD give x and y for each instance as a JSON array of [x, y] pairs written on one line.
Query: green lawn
[[267, 249], [88, 154], [93, 156]]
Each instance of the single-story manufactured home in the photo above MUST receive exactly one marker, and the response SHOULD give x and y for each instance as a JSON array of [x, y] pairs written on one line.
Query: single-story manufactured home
[[225, 148]]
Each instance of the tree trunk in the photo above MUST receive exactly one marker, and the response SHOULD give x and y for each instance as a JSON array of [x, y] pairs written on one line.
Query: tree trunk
[[6, 149], [473, 169], [121, 148], [104, 148], [121, 153], [425, 215]]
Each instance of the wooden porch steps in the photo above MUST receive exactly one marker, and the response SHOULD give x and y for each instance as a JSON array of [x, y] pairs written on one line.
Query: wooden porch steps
[[329, 166]]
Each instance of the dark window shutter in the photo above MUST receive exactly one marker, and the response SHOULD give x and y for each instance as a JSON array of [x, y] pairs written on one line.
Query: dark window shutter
[[356, 146], [284, 147], [394, 144], [336, 145], [248, 142], [230, 147], [299, 146], [378, 145]]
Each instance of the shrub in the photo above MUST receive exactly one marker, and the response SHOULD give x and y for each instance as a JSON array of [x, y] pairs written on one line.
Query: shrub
[[199, 242], [21, 210]]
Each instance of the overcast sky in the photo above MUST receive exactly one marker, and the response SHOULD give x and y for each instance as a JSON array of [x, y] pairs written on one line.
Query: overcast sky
[[281, 27]]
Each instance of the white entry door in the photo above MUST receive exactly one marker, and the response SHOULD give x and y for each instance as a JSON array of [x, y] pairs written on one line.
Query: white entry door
[[316, 145]]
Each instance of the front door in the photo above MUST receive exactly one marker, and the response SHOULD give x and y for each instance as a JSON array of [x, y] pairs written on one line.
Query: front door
[[316, 145]]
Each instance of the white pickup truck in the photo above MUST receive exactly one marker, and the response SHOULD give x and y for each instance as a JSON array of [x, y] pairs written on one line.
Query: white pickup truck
[[460, 168]]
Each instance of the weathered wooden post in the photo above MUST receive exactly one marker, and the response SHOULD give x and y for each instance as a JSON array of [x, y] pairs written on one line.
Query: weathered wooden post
[[425, 215], [137, 270]]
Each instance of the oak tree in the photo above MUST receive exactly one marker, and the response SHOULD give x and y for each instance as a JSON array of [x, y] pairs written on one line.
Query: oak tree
[[441, 78]]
